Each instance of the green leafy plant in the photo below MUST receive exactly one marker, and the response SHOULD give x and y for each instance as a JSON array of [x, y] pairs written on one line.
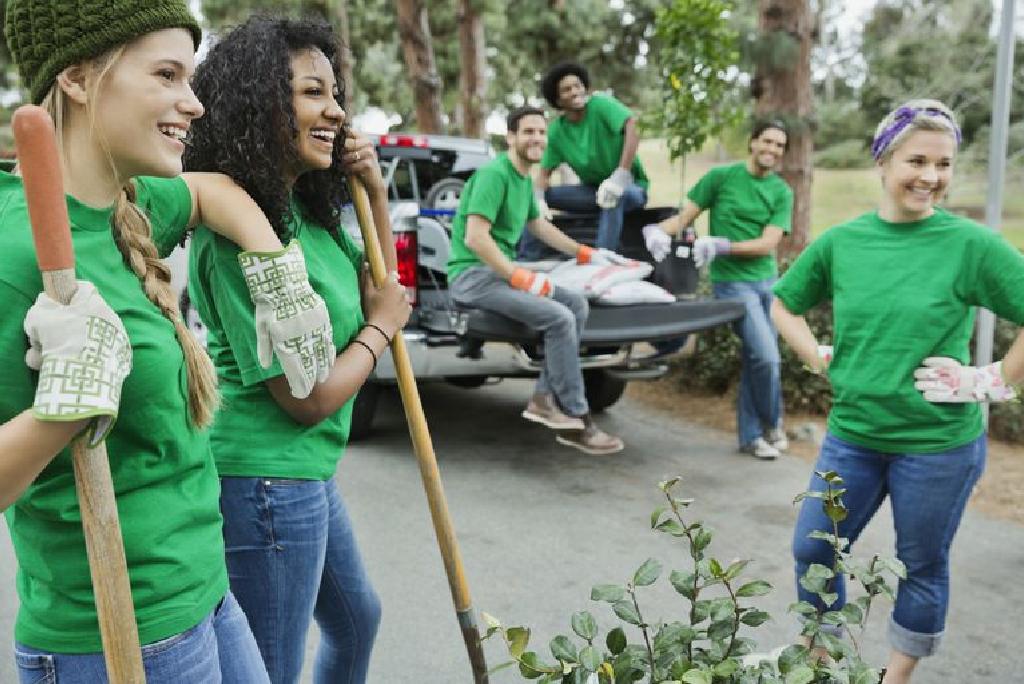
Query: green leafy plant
[[705, 646], [697, 50]]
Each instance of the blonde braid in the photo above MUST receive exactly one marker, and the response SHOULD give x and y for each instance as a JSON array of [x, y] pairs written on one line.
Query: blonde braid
[[133, 236]]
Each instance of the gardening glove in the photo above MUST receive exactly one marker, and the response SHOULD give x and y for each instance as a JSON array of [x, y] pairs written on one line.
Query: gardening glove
[[83, 355], [659, 243], [600, 257], [705, 249], [543, 210], [291, 319], [610, 190], [825, 353], [945, 381], [529, 281]]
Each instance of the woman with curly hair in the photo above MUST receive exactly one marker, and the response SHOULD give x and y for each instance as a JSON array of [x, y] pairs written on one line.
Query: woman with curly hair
[[115, 79], [905, 422], [275, 124]]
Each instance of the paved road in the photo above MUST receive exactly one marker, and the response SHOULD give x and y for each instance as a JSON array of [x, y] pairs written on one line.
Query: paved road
[[539, 524]]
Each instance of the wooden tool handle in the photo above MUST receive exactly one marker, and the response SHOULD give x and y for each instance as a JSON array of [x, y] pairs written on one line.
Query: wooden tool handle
[[39, 162], [424, 449]]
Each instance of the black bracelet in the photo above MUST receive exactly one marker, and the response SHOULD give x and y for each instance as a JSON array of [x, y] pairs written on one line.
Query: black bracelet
[[369, 349], [380, 330]]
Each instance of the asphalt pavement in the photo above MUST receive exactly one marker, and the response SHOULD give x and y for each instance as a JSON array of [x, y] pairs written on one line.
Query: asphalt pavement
[[539, 524]]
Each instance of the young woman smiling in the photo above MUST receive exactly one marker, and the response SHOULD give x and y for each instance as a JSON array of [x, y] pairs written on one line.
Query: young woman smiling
[[905, 421], [275, 124], [114, 76]]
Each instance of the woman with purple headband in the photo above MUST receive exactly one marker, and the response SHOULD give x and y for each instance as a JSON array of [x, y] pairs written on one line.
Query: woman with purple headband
[[906, 419]]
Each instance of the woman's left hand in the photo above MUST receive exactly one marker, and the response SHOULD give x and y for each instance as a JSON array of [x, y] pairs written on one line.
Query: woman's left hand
[[360, 160]]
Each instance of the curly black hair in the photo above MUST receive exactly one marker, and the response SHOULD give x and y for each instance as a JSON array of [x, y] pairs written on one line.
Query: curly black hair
[[249, 129], [554, 75]]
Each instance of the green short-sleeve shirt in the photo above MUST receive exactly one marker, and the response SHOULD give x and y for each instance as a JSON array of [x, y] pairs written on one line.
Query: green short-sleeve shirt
[[281, 447], [902, 292], [592, 146], [162, 470], [741, 206], [503, 196]]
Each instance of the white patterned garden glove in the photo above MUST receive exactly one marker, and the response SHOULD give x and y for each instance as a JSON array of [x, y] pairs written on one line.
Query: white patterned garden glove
[[610, 190], [606, 257], [945, 381], [658, 242], [291, 319], [83, 355], [705, 249]]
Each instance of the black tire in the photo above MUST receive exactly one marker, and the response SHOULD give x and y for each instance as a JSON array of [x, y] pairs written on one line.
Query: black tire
[[445, 194], [363, 410], [602, 389]]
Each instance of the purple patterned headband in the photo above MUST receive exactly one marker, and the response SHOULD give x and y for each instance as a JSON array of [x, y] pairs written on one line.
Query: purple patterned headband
[[904, 117]]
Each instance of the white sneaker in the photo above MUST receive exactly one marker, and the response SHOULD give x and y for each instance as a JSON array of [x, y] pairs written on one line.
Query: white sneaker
[[777, 438], [761, 449]]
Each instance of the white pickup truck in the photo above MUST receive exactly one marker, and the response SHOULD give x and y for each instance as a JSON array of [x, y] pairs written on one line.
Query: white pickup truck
[[468, 347]]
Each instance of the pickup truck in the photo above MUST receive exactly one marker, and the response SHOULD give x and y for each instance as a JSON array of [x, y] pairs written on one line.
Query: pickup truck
[[469, 347]]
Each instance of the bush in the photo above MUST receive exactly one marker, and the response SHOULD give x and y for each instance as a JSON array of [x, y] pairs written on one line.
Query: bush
[[702, 643], [715, 368], [848, 154]]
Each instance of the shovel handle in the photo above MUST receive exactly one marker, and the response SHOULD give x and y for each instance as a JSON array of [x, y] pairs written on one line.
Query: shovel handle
[[39, 162]]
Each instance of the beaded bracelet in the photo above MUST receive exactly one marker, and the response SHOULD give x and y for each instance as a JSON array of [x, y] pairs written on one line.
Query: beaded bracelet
[[369, 349], [380, 330]]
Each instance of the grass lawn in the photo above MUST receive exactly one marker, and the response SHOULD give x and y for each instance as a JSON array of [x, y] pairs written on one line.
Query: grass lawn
[[838, 195]]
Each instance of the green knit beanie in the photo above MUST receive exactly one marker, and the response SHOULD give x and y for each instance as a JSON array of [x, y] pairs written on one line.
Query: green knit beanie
[[47, 36]]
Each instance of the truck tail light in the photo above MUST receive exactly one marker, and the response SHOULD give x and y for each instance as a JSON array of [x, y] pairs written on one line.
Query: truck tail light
[[404, 141], [407, 251]]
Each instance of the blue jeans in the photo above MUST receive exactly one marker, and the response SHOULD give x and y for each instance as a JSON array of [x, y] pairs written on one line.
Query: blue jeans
[[583, 199], [218, 649], [292, 557], [928, 494], [560, 319], [759, 405]]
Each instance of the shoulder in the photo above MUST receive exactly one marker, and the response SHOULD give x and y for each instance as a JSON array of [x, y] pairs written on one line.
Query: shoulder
[[19, 271], [779, 185]]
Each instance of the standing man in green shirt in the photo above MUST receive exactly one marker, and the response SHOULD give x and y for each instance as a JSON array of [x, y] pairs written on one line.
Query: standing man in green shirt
[[596, 136], [751, 208], [496, 204]]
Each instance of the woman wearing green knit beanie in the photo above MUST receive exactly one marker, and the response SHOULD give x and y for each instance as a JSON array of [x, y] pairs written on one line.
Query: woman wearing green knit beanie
[[114, 74]]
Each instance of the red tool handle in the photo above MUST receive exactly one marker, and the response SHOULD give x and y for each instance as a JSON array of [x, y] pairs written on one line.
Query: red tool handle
[[36, 146]]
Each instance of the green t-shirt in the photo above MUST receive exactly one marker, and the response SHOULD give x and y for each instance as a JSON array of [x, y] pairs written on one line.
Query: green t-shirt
[[163, 473], [741, 205], [281, 447], [503, 196], [902, 292], [592, 146]]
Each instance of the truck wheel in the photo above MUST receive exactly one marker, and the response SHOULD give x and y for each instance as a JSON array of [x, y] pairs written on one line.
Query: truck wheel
[[445, 194], [602, 389], [363, 410]]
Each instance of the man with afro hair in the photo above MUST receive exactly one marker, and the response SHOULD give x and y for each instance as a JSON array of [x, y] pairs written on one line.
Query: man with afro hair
[[596, 136]]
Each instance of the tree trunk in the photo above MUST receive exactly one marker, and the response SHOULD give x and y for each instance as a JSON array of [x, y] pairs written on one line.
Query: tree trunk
[[472, 74], [784, 91], [346, 60], [418, 52]]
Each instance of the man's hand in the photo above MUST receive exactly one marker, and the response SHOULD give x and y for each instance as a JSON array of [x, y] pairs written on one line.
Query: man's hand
[[600, 257], [528, 281], [659, 243], [945, 381], [705, 249], [611, 189], [83, 355], [542, 207], [291, 319]]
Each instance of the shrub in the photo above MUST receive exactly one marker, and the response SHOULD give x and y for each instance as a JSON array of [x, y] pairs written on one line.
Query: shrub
[[704, 646]]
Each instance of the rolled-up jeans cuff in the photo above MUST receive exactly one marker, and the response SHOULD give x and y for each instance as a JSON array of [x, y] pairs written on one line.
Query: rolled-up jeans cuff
[[914, 644]]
